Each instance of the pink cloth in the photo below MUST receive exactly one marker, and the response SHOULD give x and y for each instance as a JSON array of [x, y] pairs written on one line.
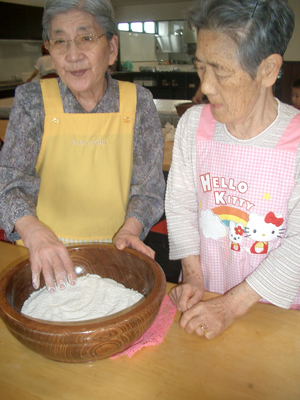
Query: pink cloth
[[156, 332]]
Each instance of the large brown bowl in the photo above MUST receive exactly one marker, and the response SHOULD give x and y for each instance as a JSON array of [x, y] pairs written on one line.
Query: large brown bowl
[[90, 340], [182, 107]]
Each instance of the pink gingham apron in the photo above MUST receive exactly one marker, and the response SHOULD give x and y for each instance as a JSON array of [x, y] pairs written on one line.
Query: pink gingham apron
[[241, 184]]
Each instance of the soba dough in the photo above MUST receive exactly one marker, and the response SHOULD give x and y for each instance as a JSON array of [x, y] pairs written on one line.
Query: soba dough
[[91, 297]]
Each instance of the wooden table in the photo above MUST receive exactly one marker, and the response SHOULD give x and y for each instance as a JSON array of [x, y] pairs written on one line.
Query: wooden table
[[258, 357], [3, 125]]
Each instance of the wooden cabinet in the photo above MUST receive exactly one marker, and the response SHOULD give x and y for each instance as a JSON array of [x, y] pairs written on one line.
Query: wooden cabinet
[[3, 125], [164, 85], [20, 22]]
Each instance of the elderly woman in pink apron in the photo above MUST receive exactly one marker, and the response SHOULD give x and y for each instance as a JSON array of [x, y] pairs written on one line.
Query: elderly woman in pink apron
[[82, 159], [233, 191]]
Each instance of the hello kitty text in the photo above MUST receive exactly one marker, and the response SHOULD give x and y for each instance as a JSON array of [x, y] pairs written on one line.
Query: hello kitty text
[[209, 183]]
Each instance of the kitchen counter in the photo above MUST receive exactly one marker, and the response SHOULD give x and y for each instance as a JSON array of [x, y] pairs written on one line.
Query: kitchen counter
[[164, 84], [256, 358]]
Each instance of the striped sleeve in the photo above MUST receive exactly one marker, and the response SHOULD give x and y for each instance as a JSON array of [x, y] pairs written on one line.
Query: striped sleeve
[[181, 194]]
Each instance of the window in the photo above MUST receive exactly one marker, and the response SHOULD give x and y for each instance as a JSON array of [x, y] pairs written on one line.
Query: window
[[150, 27], [136, 26], [123, 26]]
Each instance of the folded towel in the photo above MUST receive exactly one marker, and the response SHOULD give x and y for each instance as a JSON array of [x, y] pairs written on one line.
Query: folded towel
[[156, 332]]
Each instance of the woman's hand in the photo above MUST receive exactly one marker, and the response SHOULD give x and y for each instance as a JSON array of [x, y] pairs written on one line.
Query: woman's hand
[[128, 236], [47, 254], [210, 318], [191, 290]]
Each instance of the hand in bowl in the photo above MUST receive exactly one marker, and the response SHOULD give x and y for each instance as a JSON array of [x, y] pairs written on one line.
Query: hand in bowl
[[47, 254]]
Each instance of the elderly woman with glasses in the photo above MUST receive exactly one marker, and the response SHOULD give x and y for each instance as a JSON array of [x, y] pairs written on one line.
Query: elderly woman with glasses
[[233, 191], [82, 160]]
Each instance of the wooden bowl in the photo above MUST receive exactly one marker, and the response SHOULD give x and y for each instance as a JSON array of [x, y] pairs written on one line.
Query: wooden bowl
[[84, 341], [182, 107]]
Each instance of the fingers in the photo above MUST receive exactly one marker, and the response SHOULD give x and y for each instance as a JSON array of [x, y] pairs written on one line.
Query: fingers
[[47, 254], [197, 326], [186, 295], [191, 319], [133, 242], [180, 296], [47, 272], [38, 267], [68, 267], [55, 265], [35, 276], [120, 243], [173, 297], [209, 318], [59, 272], [201, 331], [140, 246]]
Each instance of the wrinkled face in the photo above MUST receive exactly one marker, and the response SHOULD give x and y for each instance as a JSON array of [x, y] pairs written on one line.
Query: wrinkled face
[[82, 71], [296, 97], [231, 91]]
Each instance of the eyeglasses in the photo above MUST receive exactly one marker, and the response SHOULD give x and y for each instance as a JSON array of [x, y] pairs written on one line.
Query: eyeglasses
[[84, 42]]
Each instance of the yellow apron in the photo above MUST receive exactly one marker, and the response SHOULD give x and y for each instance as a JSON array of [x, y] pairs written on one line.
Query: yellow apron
[[85, 165]]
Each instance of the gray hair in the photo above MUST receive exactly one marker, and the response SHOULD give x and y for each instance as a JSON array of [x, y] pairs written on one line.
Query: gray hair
[[259, 28], [102, 10]]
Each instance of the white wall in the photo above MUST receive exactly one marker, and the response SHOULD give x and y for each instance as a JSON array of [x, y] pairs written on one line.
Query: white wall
[[137, 47], [151, 12]]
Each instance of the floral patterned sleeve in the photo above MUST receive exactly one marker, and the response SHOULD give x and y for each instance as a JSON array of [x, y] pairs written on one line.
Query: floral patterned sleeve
[[147, 182], [19, 182]]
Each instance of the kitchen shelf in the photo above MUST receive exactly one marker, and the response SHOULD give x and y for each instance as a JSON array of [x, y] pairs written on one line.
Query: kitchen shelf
[[164, 85]]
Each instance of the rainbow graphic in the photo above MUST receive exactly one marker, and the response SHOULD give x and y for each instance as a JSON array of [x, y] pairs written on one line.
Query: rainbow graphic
[[227, 214]]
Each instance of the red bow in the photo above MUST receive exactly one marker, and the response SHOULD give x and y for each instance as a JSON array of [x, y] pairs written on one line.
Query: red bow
[[272, 219]]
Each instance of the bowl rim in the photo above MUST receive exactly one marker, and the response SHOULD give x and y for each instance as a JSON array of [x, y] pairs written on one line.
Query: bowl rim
[[44, 326]]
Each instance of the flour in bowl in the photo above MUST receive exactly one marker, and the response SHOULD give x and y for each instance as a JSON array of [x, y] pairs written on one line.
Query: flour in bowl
[[91, 297]]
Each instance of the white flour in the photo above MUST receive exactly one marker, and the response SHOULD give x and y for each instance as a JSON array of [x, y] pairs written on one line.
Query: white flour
[[91, 297]]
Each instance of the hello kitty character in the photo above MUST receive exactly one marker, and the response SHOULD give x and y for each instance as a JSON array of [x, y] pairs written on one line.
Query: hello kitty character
[[263, 229], [236, 232]]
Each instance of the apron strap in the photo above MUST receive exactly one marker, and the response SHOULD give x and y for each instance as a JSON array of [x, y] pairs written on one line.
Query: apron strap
[[51, 96], [127, 93], [290, 139], [52, 105], [207, 123]]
